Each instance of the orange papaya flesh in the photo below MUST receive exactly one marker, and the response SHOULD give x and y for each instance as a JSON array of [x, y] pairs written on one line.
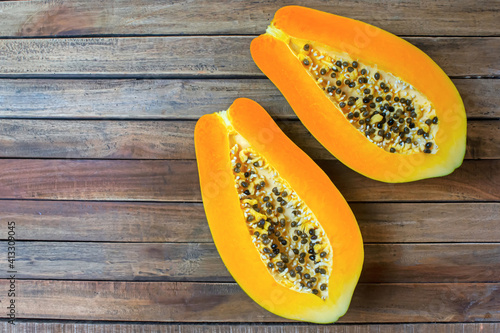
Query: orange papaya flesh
[[376, 102], [283, 230]]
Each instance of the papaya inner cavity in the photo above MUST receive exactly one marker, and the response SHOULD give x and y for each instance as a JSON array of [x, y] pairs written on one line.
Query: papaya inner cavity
[[390, 112], [291, 242]]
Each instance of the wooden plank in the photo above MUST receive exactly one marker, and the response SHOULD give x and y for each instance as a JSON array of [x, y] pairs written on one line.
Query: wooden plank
[[426, 222], [97, 139], [167, 222], [57, 327], [479, 146], [463, 184], [177, 180], [119, 261], [21, 138], [99, 180], [206, 56], [443, 50], [472, 92], [178, 99], [115, 221], [431, 263], [62, 18], [195, 262], [201, 302]]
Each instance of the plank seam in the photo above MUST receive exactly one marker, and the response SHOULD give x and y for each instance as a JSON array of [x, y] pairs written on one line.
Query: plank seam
[[201, 202], [20, 240], [230, 323], [235, 284], [19, 76], [89, 36]]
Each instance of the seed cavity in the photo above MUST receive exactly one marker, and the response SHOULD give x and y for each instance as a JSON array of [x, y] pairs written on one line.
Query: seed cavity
[[291, 242], [372, 100]]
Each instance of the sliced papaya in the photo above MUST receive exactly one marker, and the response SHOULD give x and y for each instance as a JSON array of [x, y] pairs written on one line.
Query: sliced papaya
[[281, 227], [376, 102]]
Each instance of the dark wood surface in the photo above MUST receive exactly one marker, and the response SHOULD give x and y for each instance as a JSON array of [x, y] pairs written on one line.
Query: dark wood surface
[[245, 328], [177, 180], [199, 262], [187, 56], [182, 99], [133, 222], [104, 139], [98, 102]]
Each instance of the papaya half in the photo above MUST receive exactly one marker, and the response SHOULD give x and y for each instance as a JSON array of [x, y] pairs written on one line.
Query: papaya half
[[281, 227], [376, 102]]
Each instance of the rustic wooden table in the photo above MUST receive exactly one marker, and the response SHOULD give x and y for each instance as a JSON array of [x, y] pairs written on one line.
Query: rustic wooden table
[[98, 102]]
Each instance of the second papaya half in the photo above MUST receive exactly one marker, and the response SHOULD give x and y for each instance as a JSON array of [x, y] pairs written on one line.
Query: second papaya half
[[281, 227], [376, 102]]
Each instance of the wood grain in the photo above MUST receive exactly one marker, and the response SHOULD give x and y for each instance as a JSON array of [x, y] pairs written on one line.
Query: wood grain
[[113, 221], [427, 222], [21, 138], [195, 262], [63, 327], [178, 99], [431, 263], [480, 144], [177, 180], [167, 222], [138, 17], [465, 183], [201, 56], [99, 180], [201, 302], [97, 139]]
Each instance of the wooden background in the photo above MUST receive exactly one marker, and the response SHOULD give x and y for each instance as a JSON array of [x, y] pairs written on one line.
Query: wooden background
[[98, 102]]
